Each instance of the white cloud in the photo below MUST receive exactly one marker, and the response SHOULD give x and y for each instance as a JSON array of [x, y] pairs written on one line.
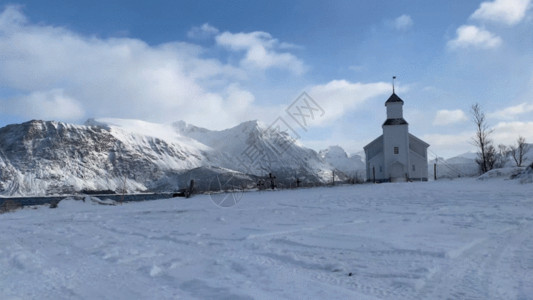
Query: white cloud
[[202, 32], [11, 17], [403, 22], [261, 51], [447, 117], [339, 97], [509, 12], [60, 74], [449, 145], [473, 36], [53, 104], [507, 132], [511, 112]]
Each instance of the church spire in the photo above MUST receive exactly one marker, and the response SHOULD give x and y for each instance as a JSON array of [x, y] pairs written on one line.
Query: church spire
[[393, 79]]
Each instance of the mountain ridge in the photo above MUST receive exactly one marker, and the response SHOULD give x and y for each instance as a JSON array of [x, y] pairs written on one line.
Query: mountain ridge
[[50, 158]]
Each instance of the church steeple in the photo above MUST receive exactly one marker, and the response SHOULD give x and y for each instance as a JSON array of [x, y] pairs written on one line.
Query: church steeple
[[394, 110], [394, 98]]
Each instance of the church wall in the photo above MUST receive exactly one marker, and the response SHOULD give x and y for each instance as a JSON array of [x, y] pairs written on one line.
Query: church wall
[[395, 136], [420, 164], [375, 163]]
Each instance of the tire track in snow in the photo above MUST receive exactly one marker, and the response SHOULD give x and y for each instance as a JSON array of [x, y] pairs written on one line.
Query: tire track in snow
[[470, 272]]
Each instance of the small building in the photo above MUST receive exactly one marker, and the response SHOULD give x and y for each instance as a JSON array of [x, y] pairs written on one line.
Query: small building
[[396, 155]]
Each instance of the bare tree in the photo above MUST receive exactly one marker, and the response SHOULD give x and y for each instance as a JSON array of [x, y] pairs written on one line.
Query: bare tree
[[491, 156], [502, 156], [519, 151], [486, 151]]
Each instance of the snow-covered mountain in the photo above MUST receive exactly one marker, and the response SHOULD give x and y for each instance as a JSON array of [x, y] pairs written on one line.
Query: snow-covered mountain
[[463, 165], [252, 148], [39, 157], [352, 166]]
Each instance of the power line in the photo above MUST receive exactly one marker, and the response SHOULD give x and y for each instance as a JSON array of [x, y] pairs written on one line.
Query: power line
[[444, 163]]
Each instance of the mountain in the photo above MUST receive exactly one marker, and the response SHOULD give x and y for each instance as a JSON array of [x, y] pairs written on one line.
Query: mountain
[[463, 165], [352, 166], [44, 158], [252, 148], [56, 158]]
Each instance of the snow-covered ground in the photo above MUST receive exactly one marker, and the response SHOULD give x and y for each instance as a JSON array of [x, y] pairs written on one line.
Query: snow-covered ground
[[460, 239]]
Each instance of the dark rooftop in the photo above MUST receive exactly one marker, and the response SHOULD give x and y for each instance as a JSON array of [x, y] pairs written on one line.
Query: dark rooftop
[[399, 121], [394, 98]]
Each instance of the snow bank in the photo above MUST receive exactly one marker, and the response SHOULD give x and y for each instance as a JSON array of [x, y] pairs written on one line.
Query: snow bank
[[74, 202], [527, 175], [506, 173]]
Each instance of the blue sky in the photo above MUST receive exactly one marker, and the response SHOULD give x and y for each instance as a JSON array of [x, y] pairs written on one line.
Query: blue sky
[[218, 63]]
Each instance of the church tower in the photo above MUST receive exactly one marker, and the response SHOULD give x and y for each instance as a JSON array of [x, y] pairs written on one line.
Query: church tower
[[396, 140]]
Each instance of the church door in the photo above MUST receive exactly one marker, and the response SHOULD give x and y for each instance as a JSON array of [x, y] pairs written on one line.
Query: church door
[[397, 172]]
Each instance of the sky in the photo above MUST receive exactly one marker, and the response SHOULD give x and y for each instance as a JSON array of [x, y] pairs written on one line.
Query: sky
[[215, 64]]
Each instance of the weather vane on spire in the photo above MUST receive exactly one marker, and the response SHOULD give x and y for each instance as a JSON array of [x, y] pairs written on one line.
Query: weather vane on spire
[[393, 78]]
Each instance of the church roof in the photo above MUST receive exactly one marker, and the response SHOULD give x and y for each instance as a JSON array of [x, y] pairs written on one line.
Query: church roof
[[417, 140], [398, 121], [394, 98], [376, 141]]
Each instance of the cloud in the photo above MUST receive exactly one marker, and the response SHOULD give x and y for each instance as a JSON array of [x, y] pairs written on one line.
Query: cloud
[[53, 104], [473, 36], [509, 12], [261, 51], [202, 32], [447, 117], [507, 132], [403, 22], [55, 73], [11, 17], [511, 112], [60, 74], [339, 97], [447, 145]]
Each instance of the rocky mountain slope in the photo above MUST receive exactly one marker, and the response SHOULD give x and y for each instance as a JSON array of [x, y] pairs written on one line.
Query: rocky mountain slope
[[44, 158]]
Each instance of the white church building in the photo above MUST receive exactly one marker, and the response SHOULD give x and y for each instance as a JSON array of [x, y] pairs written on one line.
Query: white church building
[[396, 155]]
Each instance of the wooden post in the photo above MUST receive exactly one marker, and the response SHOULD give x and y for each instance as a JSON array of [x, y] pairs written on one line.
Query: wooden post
[[374, 173], [435, 171]]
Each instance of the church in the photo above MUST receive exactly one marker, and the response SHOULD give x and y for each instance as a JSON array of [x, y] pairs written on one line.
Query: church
[[396, 155]]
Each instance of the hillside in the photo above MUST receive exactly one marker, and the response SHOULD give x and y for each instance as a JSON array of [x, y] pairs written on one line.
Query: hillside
[[46, 157]]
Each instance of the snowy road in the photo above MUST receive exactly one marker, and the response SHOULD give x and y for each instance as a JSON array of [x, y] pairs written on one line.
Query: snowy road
[[462, 239]]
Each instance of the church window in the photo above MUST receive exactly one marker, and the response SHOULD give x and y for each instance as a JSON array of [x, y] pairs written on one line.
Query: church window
[[396, 150], [380, 168], [413, 168]]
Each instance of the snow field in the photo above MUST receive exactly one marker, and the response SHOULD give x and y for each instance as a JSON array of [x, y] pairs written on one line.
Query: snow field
[[461, 239]]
